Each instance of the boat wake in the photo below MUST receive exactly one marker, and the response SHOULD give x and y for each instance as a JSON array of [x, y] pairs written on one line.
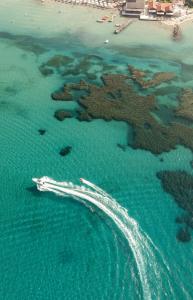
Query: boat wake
[[141, 245]]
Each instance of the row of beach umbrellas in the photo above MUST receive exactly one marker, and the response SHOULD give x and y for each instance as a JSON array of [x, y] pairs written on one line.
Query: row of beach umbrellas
[[93, 3]]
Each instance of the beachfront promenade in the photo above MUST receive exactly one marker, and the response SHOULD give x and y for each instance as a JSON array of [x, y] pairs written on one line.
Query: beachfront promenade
[[92, 3]]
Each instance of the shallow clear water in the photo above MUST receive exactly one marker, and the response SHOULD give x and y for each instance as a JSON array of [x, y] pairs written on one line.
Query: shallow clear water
[[55, 248]]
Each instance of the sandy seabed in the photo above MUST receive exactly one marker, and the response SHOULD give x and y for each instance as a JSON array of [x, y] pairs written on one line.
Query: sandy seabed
[[51, 18]]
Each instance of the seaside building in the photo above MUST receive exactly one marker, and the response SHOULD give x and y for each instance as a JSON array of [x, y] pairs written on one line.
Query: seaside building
[[148, 9], [160, 8], [133, 8]]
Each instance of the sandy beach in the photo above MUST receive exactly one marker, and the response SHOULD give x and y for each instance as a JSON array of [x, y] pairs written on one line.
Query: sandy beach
[[186, 19]]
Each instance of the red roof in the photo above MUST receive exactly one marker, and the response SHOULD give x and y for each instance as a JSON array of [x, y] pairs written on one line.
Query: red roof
[[160, 6]]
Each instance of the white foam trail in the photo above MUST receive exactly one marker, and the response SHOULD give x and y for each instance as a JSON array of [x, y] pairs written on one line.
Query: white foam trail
[[138, 242]]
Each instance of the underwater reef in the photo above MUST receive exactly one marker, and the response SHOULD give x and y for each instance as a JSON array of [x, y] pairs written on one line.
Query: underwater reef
[[41, 131], [179, 184], [131, 97], [142, 78], [24, 42], [55, 64], [89, 66], [185, 108], [65, 151], [61, 96], [62, 114], [116, 99]]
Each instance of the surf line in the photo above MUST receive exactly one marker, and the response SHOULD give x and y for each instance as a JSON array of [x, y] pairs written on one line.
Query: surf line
[[128, 226]]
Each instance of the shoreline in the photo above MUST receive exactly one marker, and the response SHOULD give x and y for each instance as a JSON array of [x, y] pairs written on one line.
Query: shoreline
[[59, 18], [187, 19], [180, 20]]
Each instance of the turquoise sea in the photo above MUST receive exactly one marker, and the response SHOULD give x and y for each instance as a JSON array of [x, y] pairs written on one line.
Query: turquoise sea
[[57, 248]]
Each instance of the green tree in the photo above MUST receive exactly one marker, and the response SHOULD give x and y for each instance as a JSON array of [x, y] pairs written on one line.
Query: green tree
[[189, 3]]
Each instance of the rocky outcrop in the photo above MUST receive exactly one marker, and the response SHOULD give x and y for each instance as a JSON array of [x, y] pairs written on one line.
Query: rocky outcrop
[[65, 151], [185, 108], [62, 114], [179, 184], [42, 131], [117, 100], [91, 76], [176, 33], [46, 71], [59, 61], [83, 116], [61, 96], [183, 235], [54, 64], [142, 77]]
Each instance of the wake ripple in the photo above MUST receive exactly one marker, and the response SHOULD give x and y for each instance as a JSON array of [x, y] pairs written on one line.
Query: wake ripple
[[141, 245]]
